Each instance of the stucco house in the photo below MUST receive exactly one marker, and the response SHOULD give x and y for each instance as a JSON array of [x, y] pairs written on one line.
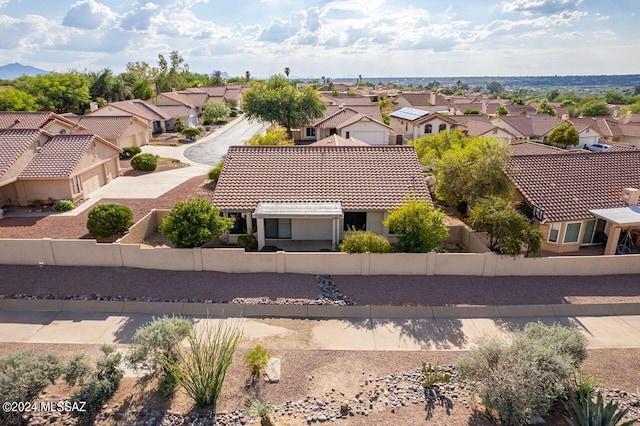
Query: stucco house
[[612, 131], [534, 127], [55, 124], [178, 106], [414, 123], [363, 122], [563, 188], [480, 125], [430, 101], [120, 130], [37, 165], [158, 120], [295, 195]]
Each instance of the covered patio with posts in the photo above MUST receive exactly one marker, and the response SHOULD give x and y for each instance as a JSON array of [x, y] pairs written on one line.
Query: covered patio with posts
[[287, 223], [623, 228]]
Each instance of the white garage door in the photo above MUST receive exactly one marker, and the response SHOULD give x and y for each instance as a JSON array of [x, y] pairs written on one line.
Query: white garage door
[[372, 138], [90, 184]]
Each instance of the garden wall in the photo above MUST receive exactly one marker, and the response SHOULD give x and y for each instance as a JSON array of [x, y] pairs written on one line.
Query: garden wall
[[90, 253]]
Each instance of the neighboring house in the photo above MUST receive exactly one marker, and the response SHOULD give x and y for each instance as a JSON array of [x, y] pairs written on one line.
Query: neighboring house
[[335, 140], [178, 106], [480, 125], [482, 107], [612, 131], [50, 122], [534, 127], [36, 165], [291, 195], [120, 130], [345, 100], [363, 122], [422, 100], [414, 123], [230, 95], [563, 188], [158, 120]]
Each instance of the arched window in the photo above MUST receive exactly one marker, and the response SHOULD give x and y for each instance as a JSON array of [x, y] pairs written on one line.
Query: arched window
[[442, 127], [428, 128]]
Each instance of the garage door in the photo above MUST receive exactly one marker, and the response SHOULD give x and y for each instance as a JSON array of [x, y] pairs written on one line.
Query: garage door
[[90, 184], [373, 138]]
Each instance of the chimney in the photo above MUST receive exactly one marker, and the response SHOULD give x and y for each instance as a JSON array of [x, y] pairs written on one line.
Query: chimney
[[631, 196], [432, 98], [565, 116], [93, 106], [484, 108]]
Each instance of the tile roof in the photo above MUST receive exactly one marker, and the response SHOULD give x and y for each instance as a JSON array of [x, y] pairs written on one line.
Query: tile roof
[[107, 126], [58, 157], [566, 187], [197, 99], [532, 125], [177, 97], [464, 119], [336, 114], [630, 118], [335, 140], [13, 143], [360, 177], [357, 118], [424, 99], [142, 109], [350, 100], [24, 120], [521, 147], [175, 111]]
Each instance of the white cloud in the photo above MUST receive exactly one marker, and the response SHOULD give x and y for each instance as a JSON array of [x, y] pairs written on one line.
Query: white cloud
[[3, 3], [87, 14], [543, 7], [605, 35], [601, 17]]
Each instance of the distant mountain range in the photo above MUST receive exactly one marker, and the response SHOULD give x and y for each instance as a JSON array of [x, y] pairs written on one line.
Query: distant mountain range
[[15, 70]]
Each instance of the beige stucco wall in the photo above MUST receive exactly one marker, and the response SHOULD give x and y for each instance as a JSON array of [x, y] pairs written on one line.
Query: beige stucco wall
[[39, 189]]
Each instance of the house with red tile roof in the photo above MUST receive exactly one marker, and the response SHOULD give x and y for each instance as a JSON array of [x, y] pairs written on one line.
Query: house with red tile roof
[[430, 101], [120, 130], [413, 123], [480, 125], [180, 106], [154, 117], [37, 165], [56, 124], [612, 131], [363, 122], [563, 188], [295, 194]]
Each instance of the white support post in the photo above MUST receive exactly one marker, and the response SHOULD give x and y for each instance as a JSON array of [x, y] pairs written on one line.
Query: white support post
[[260, 223]]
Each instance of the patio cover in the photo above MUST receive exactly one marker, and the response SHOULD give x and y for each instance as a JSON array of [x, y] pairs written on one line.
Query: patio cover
[[620, 217], [310, 209]]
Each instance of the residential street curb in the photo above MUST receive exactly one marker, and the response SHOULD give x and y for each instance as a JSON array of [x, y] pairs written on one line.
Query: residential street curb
[[222, 310]]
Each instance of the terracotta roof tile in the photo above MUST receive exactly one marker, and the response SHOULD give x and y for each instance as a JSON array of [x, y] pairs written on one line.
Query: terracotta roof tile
[[58, 157], [13, 143], [334, 115], [532, 125], [335, 140], [521, 147], [140, 108], [361, 178], [567, 186], [107, 126], [24, 120]]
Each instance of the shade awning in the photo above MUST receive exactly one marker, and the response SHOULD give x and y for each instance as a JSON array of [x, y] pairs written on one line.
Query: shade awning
[[620, 216], [309, 209]]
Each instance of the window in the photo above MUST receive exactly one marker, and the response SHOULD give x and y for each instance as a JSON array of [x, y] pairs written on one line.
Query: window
[[442, 127], [572, 232], [554, 230], [311, 132], [76, 184], [332, 131], [239, 224], [62, 132], [428, 128], [277, 228], [347, 134], [355, 220]]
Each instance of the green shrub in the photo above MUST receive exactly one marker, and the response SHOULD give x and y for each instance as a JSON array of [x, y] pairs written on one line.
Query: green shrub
[[107, 220], [582, 410], [214, 173], [65, 206], [256, 360], [76, 370], [23, 376], [259, 409], [191, 133], [434, 375], [269, 248], [202, 368], [156, 339], [179, 126], [130, 151], [364, 241], [102, 385], [525, 378], [144, 162], [193, 223], [207, 122], [248, 242], [167, 385]]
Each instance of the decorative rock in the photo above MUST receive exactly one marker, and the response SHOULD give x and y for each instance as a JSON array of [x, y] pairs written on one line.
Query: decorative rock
[[272, 370]]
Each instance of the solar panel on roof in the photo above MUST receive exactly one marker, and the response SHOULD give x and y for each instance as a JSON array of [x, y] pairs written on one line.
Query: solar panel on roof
[[409, 113]]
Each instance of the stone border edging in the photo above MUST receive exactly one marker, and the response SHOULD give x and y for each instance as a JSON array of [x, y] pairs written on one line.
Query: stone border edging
[[320, 311]]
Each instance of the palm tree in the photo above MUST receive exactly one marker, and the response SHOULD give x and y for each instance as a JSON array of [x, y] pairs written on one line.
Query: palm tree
[[247, 75], [287, 71]]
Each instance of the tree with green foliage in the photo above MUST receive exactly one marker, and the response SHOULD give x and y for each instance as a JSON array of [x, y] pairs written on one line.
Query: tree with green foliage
[[145, 162], [502, 110], [565, 134], [190, 133], [107, 220], [142, 90], [420, 227], [546, 108], [213, 111], [214, 173], [193, 223], [57, 92], [216, 78], [363, 242], [508, 230], [594, 108], [466, 168], [17, 100], [278, 101], [616, 98], [277, 136], [495, 87], [553, 94]]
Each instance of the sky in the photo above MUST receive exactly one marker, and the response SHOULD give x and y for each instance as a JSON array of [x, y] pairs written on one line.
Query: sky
[[344, 38]]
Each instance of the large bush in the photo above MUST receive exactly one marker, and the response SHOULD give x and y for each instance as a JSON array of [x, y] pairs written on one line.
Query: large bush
[[193, 223], [65, 205], [214, 173], [129, 151], [107, 220], [144, 162], [23, 376], [364, 241], [524, 378], [419, 226]]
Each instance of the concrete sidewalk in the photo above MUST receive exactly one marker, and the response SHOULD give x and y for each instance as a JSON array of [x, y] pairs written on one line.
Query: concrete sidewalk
[[369, 328]]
